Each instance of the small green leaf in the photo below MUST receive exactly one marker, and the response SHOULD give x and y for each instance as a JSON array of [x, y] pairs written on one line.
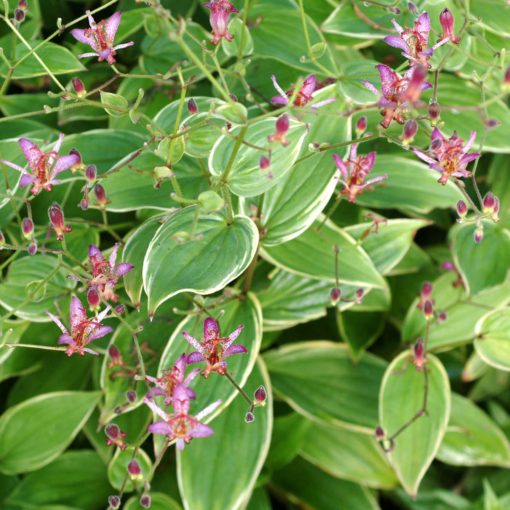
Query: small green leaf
[[114, 104], [159, 501], [215, 255], [401, 398], [27, 444], [230, 483], [492, 340], [242, 36]]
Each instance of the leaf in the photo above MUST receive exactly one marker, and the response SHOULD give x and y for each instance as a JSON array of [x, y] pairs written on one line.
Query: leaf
[[230, 483], [118, 468], [482, 265], [360, 329], [236, 312], [77, 241], [348, 455], [319, 380], [312, 255], [321, 490], [492, 340], [114, 104], [245, 177], [32, 286], [159, 501], [401, 398], [58, 482], [410, 185], [58, 60], [472, 438], [27, 444], [217, 254], [10, 332]]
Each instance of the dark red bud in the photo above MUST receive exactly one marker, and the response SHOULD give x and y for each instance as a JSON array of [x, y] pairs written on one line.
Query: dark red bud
[[134, 468], [282, 124], [428, 310], [412, 7], [114, 353], [335, 295], [56, 216], [32, 247], [27, 227], [426, 290], [78, 87], [100, 193], [114, 502], [19, 15], [260, 394], [442, 316], [478, 234], [192, 106], [506, 80], [145, 501], [93, 297], [131, 396], [419, 358], [359, 295], [448, 265], [120, 309], [410, 129], [492, 123], [489, 201], [434, 112], [84, 203], [462, 208], [264, 163], [23, 4], [379, 433], [447, 23], [361, 125], [249, 417], [91, 173], [112, 431]]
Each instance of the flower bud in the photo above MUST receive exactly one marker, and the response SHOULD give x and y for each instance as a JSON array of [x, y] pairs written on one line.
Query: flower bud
[[412, 7], [264, 163], [428, 310], [492, 123], [447, 24], [361, 126], [32, 248], [442, 316], [448, 265], [91, 173], [19, 15], [131, 396], [192, 106], [115, 356], [120, 309], [84, 203], [462, 209], [260, 395], [79, 87], [434, 112], [112, 431], [489, 202], [100, 193], [506, 80], [419, 357], [93, 298], [27, 227], [478, 234], [57, 220], [379, 433], [134, 469], [23, 4], [249, 417], [335, 295], [426, 290], [282, 125], [410, 129], [359, 295], [145, 501], [114, 502]]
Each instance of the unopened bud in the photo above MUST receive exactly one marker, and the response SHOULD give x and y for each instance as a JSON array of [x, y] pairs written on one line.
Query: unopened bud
[[335, 295], [79, 87], [426, 290], [131, 396], [282, 125], [410, 129], [32, 248], [506, 80], [428, 310], [84, 203], [359, 295], [56, 216], [412, 7], [478, 234], [361, 126], [442, 316], [419, 358], [112, 431], [91, 173], [115, 356], [434, 112], [379, 433], [492, 123], [260, 395], [27, 227], [448, 265], [93, 298], [145, 501], [249, 417], [264, 163], [489, 201], [120, 309], [19, 15], [114, 502], [462, 209], [447, 24], [192, 106], [134, 469], [100, 193], [23, 4]]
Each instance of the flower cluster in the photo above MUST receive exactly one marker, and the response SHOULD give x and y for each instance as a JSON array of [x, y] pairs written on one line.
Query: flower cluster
[[300, 97]]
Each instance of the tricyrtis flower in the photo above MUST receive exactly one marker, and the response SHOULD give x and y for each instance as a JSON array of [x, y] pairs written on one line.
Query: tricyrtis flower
[[302, 96], [354, 172], [180, 425], [220, 13], [398, 92], [449, 156], [100, 37], [83, 330], [214, 349], [44, 166], [106, 273], [414, 41], [166, 384]]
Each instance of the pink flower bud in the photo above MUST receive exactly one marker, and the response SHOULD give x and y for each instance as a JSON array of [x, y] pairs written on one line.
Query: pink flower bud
[[19, 15], [260, 395], [23, 4], [79, 87], [335, 295], [379, 433], [192, 106], [428, 310], [492, 123], [489, 201], [93, 298], [478, 234], [249, 417], [114, 502], [112, 431], [120, 309], [426, 290], [462, 209], [410, 129], [447, 24], [264, 163], [57, 220], [27, 227], [115, 356], [282, 125], [145, 501], [434, 112], [32, 248], [361, 126], [359, 295], [419, 357], [84, 203], [134, 469], [91, 173], [100, 193], [442, 316], [506, 80], [412, 8], [131, 396], [448, 265]]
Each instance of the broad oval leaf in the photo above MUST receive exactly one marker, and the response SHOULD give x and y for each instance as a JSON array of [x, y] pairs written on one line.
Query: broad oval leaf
[[230, 483], [27, 444], [312, 254], [472, 438], [319, 380], [348, 455], [401, 398], [159, 501], [492, 340], [245, 177], [216, 254]]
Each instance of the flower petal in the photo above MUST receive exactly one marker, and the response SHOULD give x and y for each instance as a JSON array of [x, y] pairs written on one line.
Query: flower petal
[[235, 349], [111, 26], [66, 339], [160, 427], [195, 357], [388, 78], [31, 151], [64, 163], [396, 42], [26, 180], [78, 313], [84, 36], [123, 268], [193, 341], [99, 332], [201, 430], [56, 320], [233, 336]]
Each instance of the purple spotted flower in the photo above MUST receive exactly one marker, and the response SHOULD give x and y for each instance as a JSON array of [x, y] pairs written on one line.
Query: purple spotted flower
[[165, 385], [100, 37], [106, 272], [83, 330], [398, 92], [354, 172], [414, 41], [180, 425], [449, 156], [214, 349], [303, 96], [44, 166], [220, 13]]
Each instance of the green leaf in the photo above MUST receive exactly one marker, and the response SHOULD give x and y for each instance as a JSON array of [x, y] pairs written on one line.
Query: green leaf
[[32, 286], [348, 455], [229, 483], [312, 255], [77, 241], [485, 264], [58, 60], [242, 36], [159, 501], [246, 312], [490, 499], [410, 185], [319, 380], [246, 179], [58, 482], [320, 490], [114, 104], [118, 469], [27, 444], [492, 341], [472, 438], [215, 255], [360, 329], [10, 333], [401, 398], [388, 242]]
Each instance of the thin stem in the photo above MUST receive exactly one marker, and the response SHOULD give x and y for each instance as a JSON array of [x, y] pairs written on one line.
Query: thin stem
[[238, 388]]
